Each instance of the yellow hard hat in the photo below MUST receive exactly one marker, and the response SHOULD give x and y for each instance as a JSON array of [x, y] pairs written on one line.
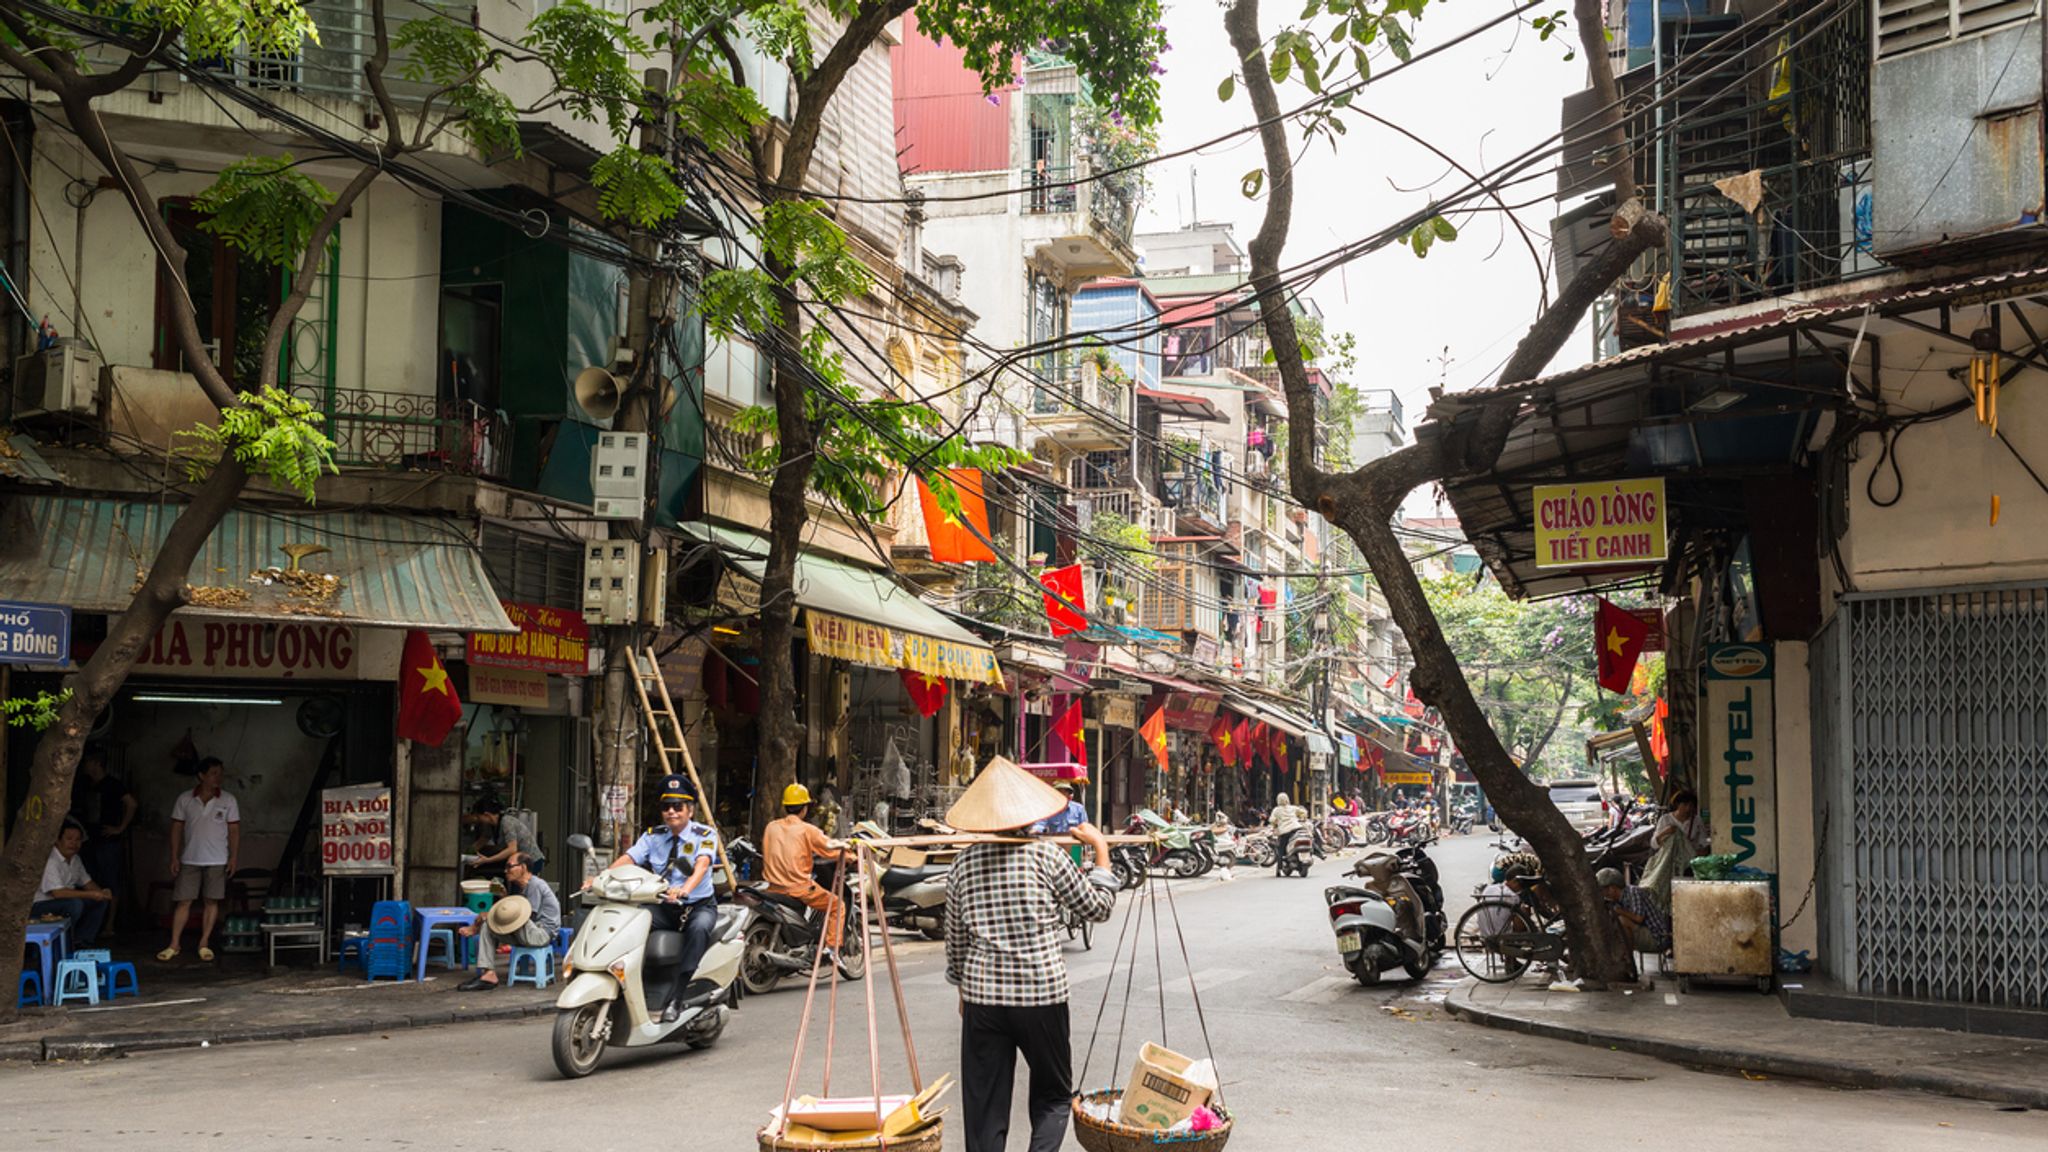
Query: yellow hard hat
[[794, 795]]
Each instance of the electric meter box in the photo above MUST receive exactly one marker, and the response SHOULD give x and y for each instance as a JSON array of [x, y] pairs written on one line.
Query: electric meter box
[[618, 475], [611, 581]]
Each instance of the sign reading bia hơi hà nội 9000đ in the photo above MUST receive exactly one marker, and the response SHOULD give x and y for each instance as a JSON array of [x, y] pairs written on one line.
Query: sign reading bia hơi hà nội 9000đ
[[1620, 522]]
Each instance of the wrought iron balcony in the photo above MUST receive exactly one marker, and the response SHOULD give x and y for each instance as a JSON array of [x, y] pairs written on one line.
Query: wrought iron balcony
[[408, 432], [333, 67]]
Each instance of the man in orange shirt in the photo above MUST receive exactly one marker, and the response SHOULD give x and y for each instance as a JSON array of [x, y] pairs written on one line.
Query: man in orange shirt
[[789, 848]]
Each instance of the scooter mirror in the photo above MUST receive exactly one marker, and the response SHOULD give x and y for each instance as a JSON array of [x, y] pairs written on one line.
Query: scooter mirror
[[579, 842]]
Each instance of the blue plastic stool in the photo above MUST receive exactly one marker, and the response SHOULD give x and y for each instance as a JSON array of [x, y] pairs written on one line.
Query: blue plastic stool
[[353, 946], [31, 994], [77, 979], [563, 936], [112, 973], [445, 948], [96, 955], [389, 951], [540, 961]]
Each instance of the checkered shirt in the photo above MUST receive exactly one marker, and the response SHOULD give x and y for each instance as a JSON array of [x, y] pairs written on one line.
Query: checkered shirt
[[1003, 922]]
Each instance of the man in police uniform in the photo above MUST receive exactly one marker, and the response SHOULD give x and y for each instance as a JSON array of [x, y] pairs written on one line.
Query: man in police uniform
[[682, 853]]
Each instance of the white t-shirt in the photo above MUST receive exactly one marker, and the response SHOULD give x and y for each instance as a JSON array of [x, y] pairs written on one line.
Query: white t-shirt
[[60, 874], [206, 827]]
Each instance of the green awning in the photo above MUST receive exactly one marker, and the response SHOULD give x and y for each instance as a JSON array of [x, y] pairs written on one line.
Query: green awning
[[907, 632], [395, 571]]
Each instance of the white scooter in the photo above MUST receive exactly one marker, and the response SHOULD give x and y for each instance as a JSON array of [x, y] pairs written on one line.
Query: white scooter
[[617, 964]]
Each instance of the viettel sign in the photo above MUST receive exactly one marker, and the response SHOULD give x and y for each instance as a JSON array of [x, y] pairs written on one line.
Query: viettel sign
[[1620, 522]]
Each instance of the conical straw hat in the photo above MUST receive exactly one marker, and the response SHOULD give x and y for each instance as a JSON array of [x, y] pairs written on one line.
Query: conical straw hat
[[1003, 797]]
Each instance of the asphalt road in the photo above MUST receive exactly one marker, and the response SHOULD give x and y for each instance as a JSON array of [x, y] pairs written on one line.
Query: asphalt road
[[1310, 1061]]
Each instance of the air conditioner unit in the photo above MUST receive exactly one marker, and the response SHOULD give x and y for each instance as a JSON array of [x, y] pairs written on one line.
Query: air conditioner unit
[[618, 476], [62, 379]]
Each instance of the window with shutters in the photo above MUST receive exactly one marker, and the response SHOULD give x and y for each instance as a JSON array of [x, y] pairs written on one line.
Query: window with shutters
[[1905, 25], [533, 569]]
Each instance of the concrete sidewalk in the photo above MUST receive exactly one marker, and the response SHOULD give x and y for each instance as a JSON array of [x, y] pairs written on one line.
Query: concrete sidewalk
[[1741, 1030], [188, 1005]]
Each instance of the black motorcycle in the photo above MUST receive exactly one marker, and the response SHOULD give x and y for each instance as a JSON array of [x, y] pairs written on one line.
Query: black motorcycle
[[785, 934]]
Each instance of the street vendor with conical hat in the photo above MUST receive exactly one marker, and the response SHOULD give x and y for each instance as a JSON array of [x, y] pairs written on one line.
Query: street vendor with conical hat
[[1003, 934]]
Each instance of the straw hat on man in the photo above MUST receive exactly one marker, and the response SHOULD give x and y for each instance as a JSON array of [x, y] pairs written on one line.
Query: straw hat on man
[[1004, 908]]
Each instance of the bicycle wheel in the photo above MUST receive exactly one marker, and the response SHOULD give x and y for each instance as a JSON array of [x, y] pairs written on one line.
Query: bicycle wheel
[[1490, 955]]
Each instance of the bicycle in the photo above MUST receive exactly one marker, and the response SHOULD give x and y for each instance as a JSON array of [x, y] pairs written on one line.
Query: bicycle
[[1498, 938]]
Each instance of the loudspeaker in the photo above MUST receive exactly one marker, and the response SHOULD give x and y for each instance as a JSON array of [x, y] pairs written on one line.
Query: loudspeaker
[[597, 393]]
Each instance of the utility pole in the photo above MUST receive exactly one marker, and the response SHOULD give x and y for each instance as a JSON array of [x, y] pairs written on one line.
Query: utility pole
[[650, 304]]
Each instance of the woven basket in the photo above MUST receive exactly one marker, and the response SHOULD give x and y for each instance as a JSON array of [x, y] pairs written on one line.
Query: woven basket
[[927, 1140], [1103, 1136]]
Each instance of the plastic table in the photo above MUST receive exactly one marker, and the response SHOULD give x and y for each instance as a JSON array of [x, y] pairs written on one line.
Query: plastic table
[[426, 920], [48, 938]]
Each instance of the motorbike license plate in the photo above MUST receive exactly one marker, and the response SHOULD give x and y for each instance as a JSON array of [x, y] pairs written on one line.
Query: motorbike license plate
[[1348, 942]]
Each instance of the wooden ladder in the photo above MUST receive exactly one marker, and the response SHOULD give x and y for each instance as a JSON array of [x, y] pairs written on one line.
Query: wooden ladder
[[658, 712]]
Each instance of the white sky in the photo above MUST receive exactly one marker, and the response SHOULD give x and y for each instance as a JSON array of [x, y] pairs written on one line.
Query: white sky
[[1483, 102]]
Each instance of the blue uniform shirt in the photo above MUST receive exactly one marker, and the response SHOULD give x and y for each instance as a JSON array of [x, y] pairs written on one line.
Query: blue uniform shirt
[[1071, 818], [698, 842]]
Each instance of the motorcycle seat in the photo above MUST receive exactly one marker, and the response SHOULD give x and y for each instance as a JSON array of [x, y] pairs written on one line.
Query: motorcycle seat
[[664, 949], [897, 878], [784, 899]]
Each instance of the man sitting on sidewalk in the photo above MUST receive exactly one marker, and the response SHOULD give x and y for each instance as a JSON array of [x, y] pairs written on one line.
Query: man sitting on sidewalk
[[527, 917], [68, 891], [1644, 922]]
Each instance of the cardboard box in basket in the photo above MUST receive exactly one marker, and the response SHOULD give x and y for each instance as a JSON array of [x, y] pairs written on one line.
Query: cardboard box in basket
[[1165, 1088]]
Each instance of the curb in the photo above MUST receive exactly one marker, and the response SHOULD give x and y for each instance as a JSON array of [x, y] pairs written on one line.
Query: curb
[[1772, 1063], [127, 1043]]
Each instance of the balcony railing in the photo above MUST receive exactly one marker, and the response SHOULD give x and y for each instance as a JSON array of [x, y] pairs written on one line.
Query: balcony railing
[[1109, 202], [1070, 385], [333, 67], [408, 432]]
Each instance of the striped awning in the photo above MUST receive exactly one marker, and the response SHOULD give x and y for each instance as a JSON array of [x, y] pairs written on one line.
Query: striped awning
[[394, 571]]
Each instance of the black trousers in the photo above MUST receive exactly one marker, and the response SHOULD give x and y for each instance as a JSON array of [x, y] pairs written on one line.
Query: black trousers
[[695, 921], [990, 1039]]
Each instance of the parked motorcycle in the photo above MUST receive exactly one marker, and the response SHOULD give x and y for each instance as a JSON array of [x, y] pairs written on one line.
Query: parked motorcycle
[[785, 934], [1395, 919], [620, 970], [912, 897]]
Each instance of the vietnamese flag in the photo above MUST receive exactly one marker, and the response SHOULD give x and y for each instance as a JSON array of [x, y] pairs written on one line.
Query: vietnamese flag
[[1064, 584], [427, 704], [1226, 743], [1262, 741], [926, 691], [1618, 637], [1154, 732], [1073, 732], [962, 537], [1242, 739]]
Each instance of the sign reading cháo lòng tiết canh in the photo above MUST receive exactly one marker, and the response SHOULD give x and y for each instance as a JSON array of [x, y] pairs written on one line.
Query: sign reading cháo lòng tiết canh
[[1617, 523]]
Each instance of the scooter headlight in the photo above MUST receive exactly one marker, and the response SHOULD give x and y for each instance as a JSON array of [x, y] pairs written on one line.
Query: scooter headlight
[[618, 971]]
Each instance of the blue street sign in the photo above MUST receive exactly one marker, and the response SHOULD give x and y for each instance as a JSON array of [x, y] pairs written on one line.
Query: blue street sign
[[34, 633]]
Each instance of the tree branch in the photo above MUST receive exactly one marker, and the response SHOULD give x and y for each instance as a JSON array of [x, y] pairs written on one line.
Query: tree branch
[[1593, 40], [815, 90], [128, 72], [373, 72], [309, 268]]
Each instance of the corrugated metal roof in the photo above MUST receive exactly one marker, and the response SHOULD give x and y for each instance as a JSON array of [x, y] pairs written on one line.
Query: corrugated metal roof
[[19, 460], [396, 571]]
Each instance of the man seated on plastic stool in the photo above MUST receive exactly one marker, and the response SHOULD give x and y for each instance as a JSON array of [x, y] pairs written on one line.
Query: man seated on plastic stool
[[68, 891], [526, 917], [681, 852]]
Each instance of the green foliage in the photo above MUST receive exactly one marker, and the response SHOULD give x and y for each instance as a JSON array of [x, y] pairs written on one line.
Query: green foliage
[[273, 433], [204, 28], [796, 235], [1115, 45], [264, 207], [589, 50], [35, 712], [1118, 542], [637, 187], [453, 56], [1425, 235]]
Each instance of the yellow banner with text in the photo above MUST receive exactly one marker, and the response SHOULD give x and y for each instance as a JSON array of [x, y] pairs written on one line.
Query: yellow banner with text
[[876, 646], [1620, 522]]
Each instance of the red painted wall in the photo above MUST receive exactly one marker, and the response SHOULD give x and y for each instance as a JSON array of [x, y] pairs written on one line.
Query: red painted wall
[[943, 121]]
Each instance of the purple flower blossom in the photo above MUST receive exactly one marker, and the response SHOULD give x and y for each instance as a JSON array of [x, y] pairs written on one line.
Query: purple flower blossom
[[995, 98]]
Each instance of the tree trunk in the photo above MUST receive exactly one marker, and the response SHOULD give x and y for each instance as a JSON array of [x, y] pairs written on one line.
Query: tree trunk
[[1564, 697], [788, 511], [92, 687], [1364, 502]]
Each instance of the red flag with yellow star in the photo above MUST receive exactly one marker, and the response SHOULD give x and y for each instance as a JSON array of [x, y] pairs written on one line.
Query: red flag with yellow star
[[1618, 637], [1073, 732], [1154, 732], [1225, 739], [952, 536], [427, 704], [926, 691]]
